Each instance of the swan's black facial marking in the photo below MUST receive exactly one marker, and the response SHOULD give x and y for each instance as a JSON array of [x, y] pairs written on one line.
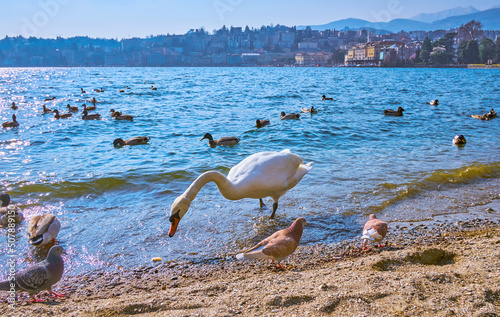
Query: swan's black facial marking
[[175, 216]]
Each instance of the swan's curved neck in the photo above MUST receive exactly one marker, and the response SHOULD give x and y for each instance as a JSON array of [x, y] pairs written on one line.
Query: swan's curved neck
[[226, 188]]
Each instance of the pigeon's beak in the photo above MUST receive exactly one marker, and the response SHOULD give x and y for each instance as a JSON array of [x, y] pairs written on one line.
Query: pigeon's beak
[[173, 227]]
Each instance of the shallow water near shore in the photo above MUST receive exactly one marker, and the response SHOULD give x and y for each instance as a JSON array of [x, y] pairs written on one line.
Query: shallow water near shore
[[114, 203]]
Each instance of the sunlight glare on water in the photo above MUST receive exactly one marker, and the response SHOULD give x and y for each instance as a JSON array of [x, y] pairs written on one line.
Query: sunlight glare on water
[[114, 203]]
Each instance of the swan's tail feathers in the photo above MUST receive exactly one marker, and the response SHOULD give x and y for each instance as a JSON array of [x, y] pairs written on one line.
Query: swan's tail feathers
[[308, 166]]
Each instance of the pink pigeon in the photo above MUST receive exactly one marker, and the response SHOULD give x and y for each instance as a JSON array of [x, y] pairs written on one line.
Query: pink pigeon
[[279, 245], [374, 230]]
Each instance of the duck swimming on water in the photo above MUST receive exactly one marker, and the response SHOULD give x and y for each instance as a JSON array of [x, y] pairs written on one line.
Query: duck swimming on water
[[119, 116], [72, 108], [61, 116], [134, 141], [9, 211], [11, 124], [46, 110], [289, 116], [459, 140], [262, 123], [309, 110], [87, 116], [85, 108], [228, 140], [397, 113]]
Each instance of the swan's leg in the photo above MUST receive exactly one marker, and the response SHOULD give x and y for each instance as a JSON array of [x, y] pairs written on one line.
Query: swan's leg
[[261, 203], [275, 206]]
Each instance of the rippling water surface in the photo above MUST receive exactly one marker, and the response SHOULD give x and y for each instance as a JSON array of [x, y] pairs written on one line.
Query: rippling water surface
[[113, 203]]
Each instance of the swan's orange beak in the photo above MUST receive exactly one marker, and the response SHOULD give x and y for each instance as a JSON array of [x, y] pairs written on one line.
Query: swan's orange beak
[[173, 227], [174, 222]]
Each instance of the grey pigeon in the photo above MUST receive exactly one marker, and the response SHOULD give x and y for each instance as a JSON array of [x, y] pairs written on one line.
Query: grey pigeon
[[43, 229], [279, 245], [40, 276], [374, 230]]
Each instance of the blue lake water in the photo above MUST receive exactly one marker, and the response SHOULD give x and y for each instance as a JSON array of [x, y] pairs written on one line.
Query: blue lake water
[[114, 203]]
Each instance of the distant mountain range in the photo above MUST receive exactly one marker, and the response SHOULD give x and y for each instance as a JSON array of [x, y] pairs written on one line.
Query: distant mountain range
[[432, 17], [453, 19]]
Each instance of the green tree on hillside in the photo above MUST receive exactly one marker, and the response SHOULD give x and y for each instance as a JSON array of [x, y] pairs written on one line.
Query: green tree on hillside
[[338, 57], [442, 57], [468, 52], [461, 52], [425, 53], [497, 50], [470, 31], [446, 42], [473, 52], [486, 50], [443, 51]]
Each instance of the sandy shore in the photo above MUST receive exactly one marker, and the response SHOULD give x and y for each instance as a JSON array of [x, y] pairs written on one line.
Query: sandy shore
[[438, 270]]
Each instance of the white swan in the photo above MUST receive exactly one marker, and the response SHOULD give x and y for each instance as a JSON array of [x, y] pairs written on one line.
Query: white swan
[[264, 174]]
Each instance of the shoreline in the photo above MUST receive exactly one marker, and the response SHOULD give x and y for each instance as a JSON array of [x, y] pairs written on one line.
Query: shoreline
[[462, 66], [443, 269]]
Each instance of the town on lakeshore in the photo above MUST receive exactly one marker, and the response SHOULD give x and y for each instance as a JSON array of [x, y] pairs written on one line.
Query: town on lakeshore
[[267, 46]]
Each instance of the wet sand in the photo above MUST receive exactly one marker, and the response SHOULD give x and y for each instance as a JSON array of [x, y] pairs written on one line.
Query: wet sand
[[444, 269]]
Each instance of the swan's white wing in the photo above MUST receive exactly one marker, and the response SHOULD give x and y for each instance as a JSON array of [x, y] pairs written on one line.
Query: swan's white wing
[[266, 174]]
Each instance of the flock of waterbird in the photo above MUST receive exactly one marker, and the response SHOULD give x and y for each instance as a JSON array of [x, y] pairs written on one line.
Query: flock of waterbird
[[260, 175], [86, 115]]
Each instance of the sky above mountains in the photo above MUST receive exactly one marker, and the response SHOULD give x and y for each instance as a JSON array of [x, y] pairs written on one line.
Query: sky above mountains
[[129, 18]]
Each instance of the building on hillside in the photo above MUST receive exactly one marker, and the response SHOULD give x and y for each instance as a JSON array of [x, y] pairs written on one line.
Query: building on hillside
[[249, 59], [308, 46], [312, 58], [375, 53]]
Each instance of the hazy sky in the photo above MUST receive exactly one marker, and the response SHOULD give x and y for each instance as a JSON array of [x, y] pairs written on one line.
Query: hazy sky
[[128, 18]]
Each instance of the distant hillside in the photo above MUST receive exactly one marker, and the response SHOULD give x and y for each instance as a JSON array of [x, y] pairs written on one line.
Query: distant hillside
[[489, 18], [432, 17], [341, 24]]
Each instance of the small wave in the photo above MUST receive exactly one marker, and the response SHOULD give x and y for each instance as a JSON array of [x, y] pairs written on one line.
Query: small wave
[[283, 97], [392, 194], [71, 189]]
